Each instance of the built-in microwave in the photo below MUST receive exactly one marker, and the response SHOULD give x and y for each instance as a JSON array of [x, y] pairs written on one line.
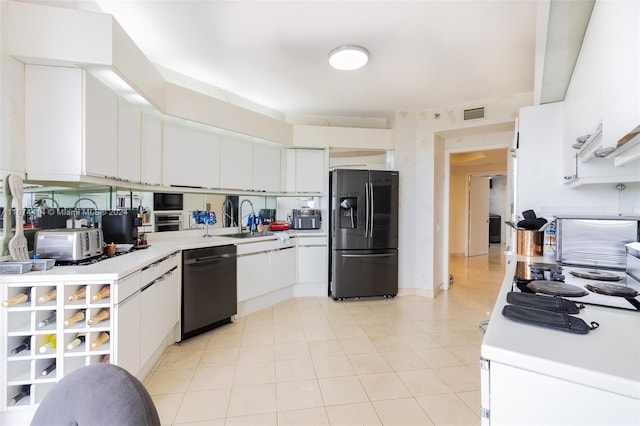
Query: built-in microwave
[[163, 201]]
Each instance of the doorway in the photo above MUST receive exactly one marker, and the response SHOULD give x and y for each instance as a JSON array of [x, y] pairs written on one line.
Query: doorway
[[477, 192]]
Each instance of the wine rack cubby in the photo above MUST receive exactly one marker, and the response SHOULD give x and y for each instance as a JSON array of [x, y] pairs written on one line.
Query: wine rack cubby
[[31, 324]]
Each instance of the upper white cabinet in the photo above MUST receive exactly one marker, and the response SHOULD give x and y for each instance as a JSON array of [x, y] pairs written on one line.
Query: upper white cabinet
[[71, 123], [128, 142], [191, 156], [151, 149], [621, 59], [236, 165], [303, 171], [266, 168]]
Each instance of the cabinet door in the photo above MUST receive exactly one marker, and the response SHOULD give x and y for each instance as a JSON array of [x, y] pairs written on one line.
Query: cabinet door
[[128, 334], [312, 264], [101, 128], [152, 312], [191, 156], [151, 150], [310, 173], [252, 275], [236, 164], [621, 63], [53, 120], [283, 268], [129, 142], [266, 168]]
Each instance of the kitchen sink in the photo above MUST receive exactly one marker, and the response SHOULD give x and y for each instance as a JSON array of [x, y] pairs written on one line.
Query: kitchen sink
[[249, 234]]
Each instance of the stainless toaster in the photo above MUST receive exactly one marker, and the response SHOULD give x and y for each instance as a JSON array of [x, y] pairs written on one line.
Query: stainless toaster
[[72, 245]]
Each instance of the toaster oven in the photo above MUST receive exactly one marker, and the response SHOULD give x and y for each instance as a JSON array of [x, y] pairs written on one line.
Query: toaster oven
[[306, 219], [70, 245]]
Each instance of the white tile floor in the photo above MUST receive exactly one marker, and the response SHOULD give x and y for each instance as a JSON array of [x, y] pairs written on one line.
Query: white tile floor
[[313, 361]]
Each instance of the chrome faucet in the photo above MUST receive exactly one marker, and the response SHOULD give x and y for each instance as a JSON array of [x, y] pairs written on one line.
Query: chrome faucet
[[94, 210], [226, 215], [242, 217]]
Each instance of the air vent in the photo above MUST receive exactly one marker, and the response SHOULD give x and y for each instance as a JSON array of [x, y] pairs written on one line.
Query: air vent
[[473, 114]]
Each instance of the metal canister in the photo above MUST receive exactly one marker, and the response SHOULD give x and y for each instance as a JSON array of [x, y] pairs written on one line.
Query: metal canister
[[530, 243]]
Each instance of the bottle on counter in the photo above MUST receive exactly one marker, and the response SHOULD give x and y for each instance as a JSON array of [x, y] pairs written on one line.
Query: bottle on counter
[[45, 322], [24, 346], [49, 344], [24, 392], [80, 338], [104, 292], [102, 339], [80, 294], [78, 316], [48, 297], [23, 297], [48, 369], [100, 316]]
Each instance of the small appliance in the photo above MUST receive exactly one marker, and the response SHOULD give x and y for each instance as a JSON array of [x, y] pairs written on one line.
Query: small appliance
[[70, 245], [306, 219]]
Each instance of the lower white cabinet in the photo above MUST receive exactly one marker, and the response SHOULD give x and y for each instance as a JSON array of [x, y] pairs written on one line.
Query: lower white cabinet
[[282, 263], [312, 266], [158, 308], [128, 334], [264, 267], [252, 275]]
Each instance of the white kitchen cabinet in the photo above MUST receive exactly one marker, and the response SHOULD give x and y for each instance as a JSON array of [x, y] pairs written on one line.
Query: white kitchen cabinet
[[71, 123], [129, 141], [127, 323], [236, 163], [191, 156], [128, 334], [151, 149], [264, 267], [548, 400], [158, 312], [282, 264], [310, 173], [303, 171], [252, 275], [312, 266], [266, 168], [621, 64]]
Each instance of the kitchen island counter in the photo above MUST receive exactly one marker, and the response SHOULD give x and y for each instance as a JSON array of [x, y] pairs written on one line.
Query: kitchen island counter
[[605, 362], [122, 265]]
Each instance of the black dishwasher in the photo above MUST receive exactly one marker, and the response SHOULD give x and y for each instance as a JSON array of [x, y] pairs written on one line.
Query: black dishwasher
[[209, 293]]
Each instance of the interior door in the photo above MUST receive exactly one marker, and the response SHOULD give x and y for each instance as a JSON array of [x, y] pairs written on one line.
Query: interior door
[[478, 241]]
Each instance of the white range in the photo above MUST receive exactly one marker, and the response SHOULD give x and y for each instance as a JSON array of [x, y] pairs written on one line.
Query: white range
[[533, 375]]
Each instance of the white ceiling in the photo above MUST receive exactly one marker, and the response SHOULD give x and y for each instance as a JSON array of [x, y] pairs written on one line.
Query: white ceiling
[[423, 54]]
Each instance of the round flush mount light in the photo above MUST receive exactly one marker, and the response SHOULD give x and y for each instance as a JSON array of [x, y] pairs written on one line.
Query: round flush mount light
[[348, 57]]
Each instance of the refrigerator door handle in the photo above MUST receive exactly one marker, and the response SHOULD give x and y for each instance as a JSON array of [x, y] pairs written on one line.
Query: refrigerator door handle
[[371, 211], [366, 203], [368, 255]]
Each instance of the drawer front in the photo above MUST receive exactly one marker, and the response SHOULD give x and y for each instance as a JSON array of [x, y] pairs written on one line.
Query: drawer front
[[311, 241], [158, 268], [258, 247], [127, 286]]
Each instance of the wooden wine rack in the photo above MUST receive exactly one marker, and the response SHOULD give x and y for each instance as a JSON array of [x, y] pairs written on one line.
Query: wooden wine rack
[[24, 369]]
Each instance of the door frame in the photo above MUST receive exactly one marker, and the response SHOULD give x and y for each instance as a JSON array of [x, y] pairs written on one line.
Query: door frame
[[447, 199]]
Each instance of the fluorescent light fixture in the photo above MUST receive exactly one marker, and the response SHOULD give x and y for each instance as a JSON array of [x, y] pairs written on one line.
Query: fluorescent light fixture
[[348, 57]]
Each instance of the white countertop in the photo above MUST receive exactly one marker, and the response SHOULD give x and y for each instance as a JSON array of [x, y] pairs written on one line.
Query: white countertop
[[607, 358], [160, 246]]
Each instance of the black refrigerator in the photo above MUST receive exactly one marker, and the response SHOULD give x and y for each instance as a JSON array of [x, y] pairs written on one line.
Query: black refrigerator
[[364, 233]]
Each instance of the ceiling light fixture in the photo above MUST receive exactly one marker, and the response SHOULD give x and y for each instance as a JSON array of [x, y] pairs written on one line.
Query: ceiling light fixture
[[348, 57]]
